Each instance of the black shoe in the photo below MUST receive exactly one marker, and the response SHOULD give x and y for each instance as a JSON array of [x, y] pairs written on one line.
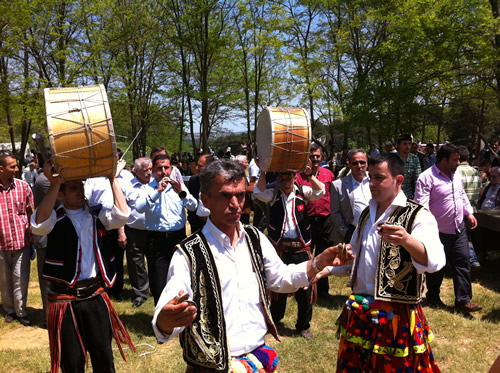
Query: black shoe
[[10, 317], [138, 302], [474, 268], [25, 321], [436, 303]]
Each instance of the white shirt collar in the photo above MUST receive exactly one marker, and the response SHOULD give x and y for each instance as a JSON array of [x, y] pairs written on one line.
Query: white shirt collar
[[220, 237]]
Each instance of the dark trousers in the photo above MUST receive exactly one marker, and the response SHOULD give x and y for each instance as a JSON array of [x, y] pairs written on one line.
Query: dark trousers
[[92, 318], [112, 240], [136, 263], [320, 234], [161, 246], [303, 297], [456, 248]]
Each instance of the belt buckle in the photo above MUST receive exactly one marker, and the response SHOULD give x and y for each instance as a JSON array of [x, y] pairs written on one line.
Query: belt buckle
[[80, 292]]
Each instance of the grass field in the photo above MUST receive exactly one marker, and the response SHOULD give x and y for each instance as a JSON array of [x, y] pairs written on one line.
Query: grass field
[[461, 344]]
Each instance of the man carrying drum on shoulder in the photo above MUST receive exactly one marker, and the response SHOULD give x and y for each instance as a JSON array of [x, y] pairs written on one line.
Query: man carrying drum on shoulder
[[80, 315], [289, 230]]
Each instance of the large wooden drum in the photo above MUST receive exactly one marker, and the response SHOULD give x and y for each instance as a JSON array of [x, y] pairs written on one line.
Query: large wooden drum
[[81, 132], [283, 139]]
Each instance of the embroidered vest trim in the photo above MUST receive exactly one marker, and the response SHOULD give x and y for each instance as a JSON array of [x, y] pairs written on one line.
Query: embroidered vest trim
[[276, 228], [397, 280], [204, 342]]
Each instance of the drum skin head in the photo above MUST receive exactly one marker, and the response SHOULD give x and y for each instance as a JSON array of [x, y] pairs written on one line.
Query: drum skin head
[[81, 132], [283, 139]]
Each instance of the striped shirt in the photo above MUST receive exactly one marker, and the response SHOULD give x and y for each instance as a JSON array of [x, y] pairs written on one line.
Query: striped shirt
[[471, 178], [16, 204]]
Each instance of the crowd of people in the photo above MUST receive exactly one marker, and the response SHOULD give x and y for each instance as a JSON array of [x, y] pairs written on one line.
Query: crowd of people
[[381, 218]]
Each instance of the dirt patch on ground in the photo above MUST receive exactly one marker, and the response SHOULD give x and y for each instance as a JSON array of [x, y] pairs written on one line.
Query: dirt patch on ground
[[24, 338]]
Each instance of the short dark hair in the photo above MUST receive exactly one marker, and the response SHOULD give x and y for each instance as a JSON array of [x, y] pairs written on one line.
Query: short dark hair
[[354, 151], [156, 149], [160, 157], [446, 151], [404, 138], [229, 170], [464, 153], [4, 154], [394, 162], [430, 146], [315, 147]]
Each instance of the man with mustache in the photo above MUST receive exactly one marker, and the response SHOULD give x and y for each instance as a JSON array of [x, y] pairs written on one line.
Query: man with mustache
[[225, 269], [163, 204]]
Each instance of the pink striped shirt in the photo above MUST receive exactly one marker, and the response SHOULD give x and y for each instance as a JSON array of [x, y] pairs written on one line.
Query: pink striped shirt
[[16, 205]]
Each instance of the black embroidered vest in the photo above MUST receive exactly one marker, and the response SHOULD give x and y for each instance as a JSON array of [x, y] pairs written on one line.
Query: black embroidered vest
[[397, 280], [277, 220], [204, 342], [64, 255]]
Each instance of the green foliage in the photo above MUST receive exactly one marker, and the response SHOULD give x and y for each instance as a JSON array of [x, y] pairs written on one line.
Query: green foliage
[[370, 70]]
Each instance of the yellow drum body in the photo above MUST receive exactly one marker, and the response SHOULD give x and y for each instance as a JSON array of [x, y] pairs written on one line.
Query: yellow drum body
[[283, 139], [81, 132]]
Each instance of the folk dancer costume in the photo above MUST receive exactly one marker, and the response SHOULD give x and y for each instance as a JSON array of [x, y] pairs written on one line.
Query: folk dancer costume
[[228, 286], [80, 315], [289, 230], [382, 326]]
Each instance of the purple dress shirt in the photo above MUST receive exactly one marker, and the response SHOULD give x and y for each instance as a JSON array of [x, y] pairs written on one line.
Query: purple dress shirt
[[444, 197]]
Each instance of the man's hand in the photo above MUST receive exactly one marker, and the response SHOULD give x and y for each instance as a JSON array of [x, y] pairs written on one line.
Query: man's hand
[[48, 171], [321, 274], [176, 185], [120, 166], [122, 238], [394, 234], [175, 314], [339, 255], [471, 220], [162, 185]]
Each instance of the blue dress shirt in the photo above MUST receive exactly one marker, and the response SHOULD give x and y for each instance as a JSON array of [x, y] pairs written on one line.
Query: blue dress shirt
[[164, 212]]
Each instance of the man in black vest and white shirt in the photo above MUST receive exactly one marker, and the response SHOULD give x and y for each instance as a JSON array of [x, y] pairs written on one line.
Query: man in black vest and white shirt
[[289, 230], [225, 269], [77, 266], [382, 325]]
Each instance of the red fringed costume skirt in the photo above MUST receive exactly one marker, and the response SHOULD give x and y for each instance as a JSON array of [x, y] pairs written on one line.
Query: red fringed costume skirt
[[378, 336]]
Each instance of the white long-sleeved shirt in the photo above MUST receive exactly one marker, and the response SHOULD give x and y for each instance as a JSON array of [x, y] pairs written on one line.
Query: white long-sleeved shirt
[[83, 222], [243, 312], [425, 229]]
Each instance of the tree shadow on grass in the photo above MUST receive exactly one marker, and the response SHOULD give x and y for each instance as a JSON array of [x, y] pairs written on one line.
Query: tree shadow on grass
[[138, 323], [488, 277], [333, 301], [493, 316]]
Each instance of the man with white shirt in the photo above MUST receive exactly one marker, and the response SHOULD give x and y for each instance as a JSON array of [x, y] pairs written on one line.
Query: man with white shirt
[[225, 269], [133, 236], [290, 232], [78, 267], [349, 196], [383, 326]]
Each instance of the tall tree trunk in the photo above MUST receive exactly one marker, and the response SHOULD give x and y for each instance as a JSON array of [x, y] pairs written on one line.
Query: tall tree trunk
[[495, 11]]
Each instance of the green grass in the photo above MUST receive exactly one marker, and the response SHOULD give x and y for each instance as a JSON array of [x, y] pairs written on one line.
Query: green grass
[[461, 344]]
